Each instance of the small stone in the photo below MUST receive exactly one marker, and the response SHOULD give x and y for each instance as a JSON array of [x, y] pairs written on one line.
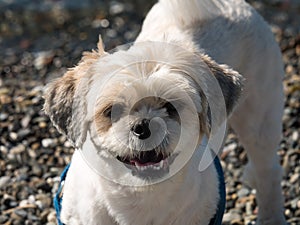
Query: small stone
[[231, 216], [13, 136], [3, 150], [25, 121], [37, 171], [294, 178], [31, 199], [44, 215], [3, 219], [3, 116], [287, 212], [243, 192], [248, 208], [23, 133], [43, 201], [230, 147], [42, 124], [21, 212], [18, 149], [42, 59], [295, 136], [4, 181], [32, 217], [23, 203], [116, 8], [67, 144], [48, 143], [298, 204], [51, 216], [35, 146]]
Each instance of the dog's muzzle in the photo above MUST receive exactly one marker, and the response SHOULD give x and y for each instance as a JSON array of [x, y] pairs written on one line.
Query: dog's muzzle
[[148, 164]]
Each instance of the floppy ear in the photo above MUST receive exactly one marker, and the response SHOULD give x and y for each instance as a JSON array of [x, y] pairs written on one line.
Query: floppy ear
[[220, 88], [230, 82], [65, 98]]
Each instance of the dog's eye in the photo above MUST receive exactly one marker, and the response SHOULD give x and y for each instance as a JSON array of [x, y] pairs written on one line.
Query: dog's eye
[[114, 112], [107, 112], [171, 110]]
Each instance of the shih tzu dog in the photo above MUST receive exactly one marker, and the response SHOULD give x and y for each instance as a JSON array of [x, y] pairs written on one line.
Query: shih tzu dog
[[149, 120]]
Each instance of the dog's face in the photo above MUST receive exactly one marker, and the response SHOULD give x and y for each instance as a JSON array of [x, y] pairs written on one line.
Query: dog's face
[[140, 120], [146, 107]]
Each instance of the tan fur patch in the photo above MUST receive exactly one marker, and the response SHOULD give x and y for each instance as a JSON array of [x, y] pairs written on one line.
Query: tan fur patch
[[59, 96], [229, 80]]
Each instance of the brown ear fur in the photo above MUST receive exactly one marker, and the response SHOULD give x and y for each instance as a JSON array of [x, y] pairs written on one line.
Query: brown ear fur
[[230, 81], [59, 96]]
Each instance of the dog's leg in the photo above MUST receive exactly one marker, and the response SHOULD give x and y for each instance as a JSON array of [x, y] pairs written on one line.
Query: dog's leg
[[257, 121]]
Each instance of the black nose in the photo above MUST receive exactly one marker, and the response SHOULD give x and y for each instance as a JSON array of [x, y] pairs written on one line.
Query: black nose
[[141, 129]]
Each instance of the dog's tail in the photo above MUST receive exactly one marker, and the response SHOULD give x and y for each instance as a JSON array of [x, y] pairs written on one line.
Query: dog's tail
[[188, 11]]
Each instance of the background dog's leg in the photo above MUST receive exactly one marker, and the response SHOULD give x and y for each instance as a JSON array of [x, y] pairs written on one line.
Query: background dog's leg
[[257, 121]]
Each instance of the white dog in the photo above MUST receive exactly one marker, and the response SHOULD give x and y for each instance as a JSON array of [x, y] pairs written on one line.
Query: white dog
[[137, 118]]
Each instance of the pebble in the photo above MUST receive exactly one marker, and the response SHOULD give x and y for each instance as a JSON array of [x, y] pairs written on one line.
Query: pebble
[[231, 216], [47, 142], [294, 178], [243, 192], [3, 219], [4, 181], [20, 212], [51, 217], [42, 59], [3, 116], [18, 149]]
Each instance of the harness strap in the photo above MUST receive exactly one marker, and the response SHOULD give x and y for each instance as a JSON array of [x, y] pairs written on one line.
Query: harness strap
[[59, 195], [217, 219]]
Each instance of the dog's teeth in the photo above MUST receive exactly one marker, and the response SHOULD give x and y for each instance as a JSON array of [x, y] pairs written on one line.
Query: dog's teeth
[[161, 164], [157, 167]]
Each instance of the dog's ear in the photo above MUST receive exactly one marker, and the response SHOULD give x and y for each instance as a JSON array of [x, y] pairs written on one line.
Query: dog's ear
[[229, 81], [65, 98], [220, 88]]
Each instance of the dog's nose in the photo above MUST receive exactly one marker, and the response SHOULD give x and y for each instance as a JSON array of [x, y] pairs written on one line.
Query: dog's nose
[[141, 129]]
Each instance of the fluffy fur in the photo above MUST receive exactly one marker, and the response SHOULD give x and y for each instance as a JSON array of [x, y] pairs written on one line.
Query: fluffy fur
[[184, 50]]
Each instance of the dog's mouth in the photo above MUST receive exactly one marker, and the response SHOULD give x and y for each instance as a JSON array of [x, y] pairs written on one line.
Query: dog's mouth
[[146, 160]]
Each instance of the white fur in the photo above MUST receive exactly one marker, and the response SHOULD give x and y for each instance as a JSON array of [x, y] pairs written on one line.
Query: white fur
[[232, 33]]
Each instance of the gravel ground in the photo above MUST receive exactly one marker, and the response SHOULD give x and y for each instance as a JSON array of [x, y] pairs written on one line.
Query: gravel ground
[[38, 44]]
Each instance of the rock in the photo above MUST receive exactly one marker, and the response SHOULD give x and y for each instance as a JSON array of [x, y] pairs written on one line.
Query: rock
[[4, 181], [3, 219], [20, 212], [231, 216], [3, 116], [48, 143], [25, 121], [243, 192], [51, 217], [18, 149], [295, 178], [42, 59]]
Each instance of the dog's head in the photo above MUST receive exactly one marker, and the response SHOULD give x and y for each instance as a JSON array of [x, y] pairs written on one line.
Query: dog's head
[[144, 106]]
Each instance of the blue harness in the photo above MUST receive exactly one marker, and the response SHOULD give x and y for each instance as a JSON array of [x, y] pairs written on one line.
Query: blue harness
[[59, 194], [216, 220]]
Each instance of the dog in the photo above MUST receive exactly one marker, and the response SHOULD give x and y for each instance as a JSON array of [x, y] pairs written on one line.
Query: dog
[[148, 121]]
